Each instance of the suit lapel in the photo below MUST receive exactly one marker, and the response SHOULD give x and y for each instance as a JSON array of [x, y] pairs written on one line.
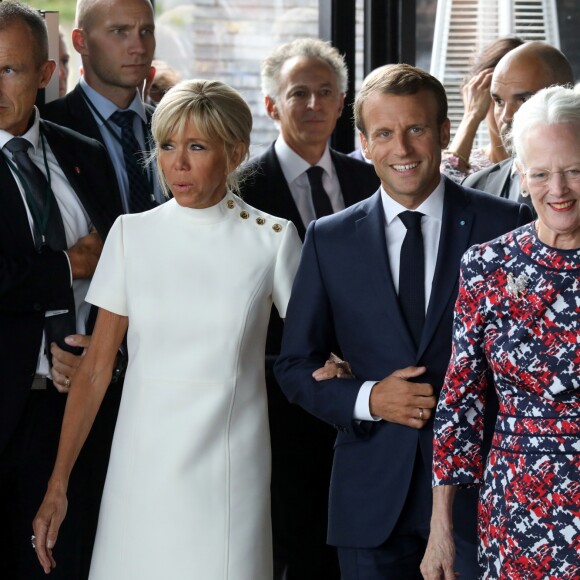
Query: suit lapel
[[347, 185], [456, 228], [16, 225], [277, 186], [371, 234]]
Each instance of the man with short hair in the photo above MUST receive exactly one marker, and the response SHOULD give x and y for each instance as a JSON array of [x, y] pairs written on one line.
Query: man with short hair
[[116, 41], [518, 75], [377, 283], [56, 208], [301, 178]]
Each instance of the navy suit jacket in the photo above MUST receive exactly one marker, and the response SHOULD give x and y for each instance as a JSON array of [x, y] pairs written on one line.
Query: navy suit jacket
[[344, 294], [32, 283]]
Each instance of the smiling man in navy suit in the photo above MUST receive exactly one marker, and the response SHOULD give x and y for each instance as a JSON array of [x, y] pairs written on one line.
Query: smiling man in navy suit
[[377, 284]]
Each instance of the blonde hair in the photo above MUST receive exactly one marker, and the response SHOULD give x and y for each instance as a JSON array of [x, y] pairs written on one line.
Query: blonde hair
[[218, 111]]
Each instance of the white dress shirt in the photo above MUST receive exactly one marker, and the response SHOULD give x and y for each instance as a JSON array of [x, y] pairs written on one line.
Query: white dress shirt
[[294, 169], [75, 219], [395, 232]]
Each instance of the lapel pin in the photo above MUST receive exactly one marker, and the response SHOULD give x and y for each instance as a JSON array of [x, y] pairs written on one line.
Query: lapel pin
[[462, 223], [77, 170], [517, 286]]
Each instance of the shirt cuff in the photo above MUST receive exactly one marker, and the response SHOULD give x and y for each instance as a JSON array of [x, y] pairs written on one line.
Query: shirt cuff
[[362, 406]]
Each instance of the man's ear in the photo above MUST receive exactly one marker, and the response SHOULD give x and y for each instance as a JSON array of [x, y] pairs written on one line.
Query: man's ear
[[46, 70], [271, 108], [79, 40], [364, 145]]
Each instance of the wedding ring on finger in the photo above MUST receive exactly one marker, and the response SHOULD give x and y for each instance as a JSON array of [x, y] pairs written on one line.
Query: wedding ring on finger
[[421, 414], [67, 383], [33, 542]]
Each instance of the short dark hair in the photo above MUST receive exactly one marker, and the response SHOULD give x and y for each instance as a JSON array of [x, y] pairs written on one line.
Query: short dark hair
[[399, 79], [13, 11]]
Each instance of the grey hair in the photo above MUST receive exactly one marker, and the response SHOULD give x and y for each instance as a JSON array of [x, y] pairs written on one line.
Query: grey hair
[[218, 111], [312, 48], [551, 106]]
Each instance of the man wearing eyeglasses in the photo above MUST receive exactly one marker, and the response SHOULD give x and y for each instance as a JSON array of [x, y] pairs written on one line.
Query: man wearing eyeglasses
[[518, 75]]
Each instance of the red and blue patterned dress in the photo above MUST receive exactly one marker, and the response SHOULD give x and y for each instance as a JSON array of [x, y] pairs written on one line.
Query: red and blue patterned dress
[[517, 318]]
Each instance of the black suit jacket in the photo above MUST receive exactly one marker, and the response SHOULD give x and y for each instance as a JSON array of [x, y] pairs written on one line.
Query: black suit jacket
[[32, 283], [73, 112], [344, 293], [267, 190]]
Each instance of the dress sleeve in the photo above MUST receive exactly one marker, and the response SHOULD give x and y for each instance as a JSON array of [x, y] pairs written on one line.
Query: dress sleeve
[[286, 266], [458, 427], [107, 288]]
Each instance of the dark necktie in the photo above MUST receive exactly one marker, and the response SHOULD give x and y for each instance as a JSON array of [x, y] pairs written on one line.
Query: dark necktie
[[412, 274], [60, 325], [139, 188], [320, 198]]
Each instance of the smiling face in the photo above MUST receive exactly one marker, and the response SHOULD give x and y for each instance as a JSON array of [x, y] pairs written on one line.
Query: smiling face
[[555, 148], [404, 141], [20, 77], [117, 47], [196, 168], [308, 105]]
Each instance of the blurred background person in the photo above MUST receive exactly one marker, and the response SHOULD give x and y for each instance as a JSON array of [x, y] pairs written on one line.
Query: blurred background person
[[164, 77], [63, 64], [187, 491], [461, 158], [516, 320]]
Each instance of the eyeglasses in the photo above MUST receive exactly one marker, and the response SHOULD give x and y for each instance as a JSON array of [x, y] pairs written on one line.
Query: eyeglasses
[[541, 177]]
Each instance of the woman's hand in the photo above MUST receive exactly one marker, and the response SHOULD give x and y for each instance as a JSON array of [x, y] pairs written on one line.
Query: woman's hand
[[334, 367], [47, 523], [476, 95], [439, 559]]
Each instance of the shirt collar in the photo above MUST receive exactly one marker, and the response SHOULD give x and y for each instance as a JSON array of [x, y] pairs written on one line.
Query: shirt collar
[[293, 166], [32, 135], [431, 207], [106, 107]]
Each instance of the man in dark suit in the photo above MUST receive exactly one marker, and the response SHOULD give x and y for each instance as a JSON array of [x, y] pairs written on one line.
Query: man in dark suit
[[115, 66], [518, 75], [56, 208], [304, 82], [377, 284]]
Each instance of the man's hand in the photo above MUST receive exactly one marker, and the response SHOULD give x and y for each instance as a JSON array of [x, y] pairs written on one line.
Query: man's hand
[[398, 400], [84, 255], [65, 364]]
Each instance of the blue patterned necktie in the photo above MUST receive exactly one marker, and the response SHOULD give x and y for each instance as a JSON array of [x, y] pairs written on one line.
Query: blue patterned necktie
[[412, 274], [140, 190]]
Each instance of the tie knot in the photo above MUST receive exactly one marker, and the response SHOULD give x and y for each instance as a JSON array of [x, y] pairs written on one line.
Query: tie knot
[[18, 145], [123, 119], [411, 219], [314, 174]]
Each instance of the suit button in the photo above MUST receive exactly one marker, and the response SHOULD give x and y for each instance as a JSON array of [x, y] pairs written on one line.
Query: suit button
[[37, 307]]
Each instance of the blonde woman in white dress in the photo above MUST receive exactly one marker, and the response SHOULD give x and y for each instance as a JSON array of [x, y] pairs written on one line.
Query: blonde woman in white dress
[[192, 281]]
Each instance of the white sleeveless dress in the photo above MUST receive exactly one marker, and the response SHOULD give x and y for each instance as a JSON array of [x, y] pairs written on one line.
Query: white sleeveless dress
[[187, 495]]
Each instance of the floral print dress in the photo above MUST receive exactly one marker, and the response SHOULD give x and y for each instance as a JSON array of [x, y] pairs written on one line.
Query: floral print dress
[[517, 322]]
